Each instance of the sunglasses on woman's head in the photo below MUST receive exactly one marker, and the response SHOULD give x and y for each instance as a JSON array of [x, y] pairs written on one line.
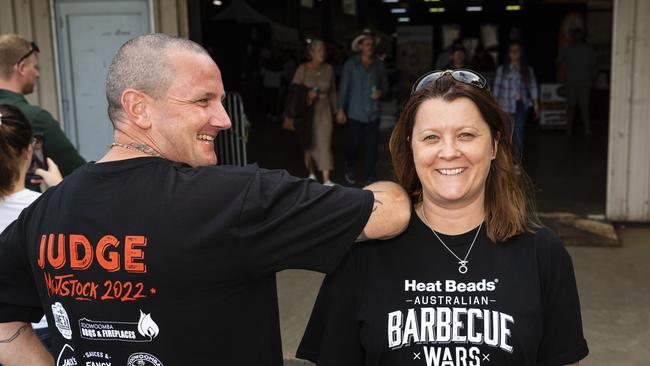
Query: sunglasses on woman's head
[[464, 76]]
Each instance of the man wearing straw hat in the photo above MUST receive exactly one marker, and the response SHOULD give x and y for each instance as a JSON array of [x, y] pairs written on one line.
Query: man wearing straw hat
[[363, 82]]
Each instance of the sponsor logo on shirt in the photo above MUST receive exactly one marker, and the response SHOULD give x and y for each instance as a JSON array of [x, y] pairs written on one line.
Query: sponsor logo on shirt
[[144, 330], [450, 286], [96, 358], [449, 323], [61, 320], [66, 356], [143, 359]]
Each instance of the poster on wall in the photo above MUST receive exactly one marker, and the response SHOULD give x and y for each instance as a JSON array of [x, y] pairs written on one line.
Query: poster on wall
[[552, 106], [414, 54], [349, 7]]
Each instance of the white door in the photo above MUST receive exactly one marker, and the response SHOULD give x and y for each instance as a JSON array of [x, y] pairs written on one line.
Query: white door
[[88, 35]]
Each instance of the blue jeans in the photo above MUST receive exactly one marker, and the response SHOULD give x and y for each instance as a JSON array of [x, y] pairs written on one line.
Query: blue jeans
[[519, 117], [356, 132]]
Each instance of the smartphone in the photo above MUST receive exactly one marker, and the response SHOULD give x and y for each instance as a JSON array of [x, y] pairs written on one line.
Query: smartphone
[[39, 158]]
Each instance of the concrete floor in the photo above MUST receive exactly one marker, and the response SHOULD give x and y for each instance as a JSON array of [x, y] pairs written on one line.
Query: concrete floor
[[614, 294]]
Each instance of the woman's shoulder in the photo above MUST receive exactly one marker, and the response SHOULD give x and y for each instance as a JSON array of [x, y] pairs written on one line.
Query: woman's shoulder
[[543, 240]]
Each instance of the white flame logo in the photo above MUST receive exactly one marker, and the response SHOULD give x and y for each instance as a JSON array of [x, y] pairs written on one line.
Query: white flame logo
[[147, 327]]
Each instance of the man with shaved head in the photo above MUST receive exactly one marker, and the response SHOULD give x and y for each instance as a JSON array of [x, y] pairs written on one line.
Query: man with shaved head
[[154, 255]]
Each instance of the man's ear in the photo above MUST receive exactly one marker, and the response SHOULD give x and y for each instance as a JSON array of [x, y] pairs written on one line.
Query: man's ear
[[19, 68], [135, 105]]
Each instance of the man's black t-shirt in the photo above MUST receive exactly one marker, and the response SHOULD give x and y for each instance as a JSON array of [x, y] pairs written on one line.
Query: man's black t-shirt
[[404, 302], [147, 262]]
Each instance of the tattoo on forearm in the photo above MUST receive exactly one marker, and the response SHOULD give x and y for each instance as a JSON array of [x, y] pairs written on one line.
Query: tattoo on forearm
[[377, 201], [16, 335], [377, 204]]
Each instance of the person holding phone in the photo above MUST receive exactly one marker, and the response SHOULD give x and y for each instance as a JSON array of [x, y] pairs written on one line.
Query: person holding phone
[[17, 146], [18, 149]]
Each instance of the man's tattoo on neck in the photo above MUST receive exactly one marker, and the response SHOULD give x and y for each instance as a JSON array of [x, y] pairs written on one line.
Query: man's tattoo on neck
[[16, 335]]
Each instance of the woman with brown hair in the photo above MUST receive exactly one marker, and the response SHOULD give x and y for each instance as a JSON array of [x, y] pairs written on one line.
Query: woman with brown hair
[[16, 147], [515, 88], [474, 279]]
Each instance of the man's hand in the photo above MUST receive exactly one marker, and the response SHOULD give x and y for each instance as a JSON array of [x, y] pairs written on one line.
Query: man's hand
[[376, 95], [19, 346], [341, 118], [391, 212]]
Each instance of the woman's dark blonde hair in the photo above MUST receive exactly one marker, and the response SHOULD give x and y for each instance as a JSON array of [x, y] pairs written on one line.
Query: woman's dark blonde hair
[[509, 201]]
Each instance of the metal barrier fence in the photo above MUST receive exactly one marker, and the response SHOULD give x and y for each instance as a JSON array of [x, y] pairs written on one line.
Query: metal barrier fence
[[230, 145]]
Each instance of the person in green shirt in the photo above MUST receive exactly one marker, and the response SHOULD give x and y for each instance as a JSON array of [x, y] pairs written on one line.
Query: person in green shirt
[[19, 73]]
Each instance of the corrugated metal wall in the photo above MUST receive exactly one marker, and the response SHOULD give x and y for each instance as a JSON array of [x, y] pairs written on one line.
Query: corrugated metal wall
[[32, 19], [628, 181]]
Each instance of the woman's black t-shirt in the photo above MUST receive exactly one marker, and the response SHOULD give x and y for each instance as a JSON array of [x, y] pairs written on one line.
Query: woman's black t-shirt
[[404, 302]]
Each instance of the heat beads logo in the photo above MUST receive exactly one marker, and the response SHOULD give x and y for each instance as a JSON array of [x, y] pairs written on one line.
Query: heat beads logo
[[61, 320], [143, 359]]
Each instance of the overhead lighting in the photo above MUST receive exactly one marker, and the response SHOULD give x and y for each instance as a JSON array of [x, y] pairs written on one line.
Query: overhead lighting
[[431, 1], [217, 2], [390, 1], [474, 8], [403, 19], [398, 11], [513, 7], [436, 10]]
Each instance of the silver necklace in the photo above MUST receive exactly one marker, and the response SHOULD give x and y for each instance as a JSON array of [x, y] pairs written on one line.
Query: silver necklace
[[462, 263], [143, 148]]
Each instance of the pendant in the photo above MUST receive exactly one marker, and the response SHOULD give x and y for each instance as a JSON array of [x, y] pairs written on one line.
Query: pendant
[[462, 268]]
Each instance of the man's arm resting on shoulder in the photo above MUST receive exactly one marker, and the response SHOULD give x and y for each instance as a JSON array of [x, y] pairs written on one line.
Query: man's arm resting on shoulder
[[19, 346], [391, 212]]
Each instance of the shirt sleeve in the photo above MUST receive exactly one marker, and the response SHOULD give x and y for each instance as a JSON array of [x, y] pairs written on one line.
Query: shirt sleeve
[[563, 342], [56, 144], [288, 222], [332, 336], [19, 300]]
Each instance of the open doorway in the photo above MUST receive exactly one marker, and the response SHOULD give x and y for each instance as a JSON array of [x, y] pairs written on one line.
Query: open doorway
[[569, 172]]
